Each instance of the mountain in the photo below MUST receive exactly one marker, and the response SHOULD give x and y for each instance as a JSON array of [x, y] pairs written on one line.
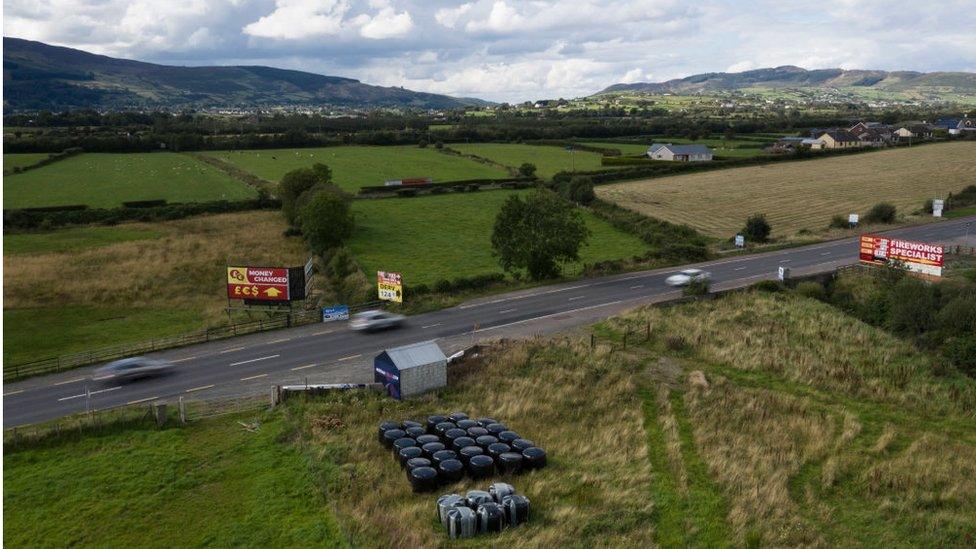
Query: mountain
[[903, 82], [41, 76]]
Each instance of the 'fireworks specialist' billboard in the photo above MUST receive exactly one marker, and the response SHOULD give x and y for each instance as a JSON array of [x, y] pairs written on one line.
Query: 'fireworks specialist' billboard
[[918, 257]]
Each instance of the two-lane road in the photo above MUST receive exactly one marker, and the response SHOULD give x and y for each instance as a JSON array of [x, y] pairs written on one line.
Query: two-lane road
[[331, 352]]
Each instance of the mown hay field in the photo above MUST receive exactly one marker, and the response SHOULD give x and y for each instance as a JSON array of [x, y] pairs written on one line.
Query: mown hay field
[[359, 166], [75, 289], [102, 180], [801, 195], [438, 237]]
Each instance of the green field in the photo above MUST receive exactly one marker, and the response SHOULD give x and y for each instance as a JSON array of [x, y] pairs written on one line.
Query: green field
[[431, 238], [78, 238], [215, 485], [354, 166], [106, 180], [548, 160], [11, 161], [721, 147]]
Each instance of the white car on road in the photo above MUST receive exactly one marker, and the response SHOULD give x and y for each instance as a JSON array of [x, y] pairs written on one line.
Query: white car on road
[[369, 321], [686, 276]]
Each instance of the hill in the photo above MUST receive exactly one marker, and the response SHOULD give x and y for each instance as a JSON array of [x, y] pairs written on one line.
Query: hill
[[918, 84], [41, 76]]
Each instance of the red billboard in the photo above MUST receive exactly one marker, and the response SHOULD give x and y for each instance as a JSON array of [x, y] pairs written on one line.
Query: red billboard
[[918, 257], [258, 283]]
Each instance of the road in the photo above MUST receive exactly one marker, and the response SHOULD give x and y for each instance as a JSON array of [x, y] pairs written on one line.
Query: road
[[330, 353]]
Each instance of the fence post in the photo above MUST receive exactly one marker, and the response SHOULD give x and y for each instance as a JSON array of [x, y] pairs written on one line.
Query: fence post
[[647, 335], [182, 411], [592, 341]]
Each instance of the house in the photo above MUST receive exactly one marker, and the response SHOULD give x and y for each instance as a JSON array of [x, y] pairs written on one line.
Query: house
[[865, 126], [947, 124], [914, 131], [839, 139], [786, 145], [410, 370], [814, 144], [966, 126], [679, 153], [872, 137]]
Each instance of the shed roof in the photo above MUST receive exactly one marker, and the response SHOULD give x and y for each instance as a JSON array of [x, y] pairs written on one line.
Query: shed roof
[[417, 354], [681, 149]]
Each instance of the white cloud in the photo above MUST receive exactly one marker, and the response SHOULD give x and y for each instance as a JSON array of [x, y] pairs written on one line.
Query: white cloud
[[448, 17], [387, 24], [635, 75], [296, 19], [501, 19]]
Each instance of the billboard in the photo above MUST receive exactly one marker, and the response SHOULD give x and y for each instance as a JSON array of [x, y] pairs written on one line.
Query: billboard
[[389, 286], [416, 181], [917, 257], [332, 314], [259, 283]]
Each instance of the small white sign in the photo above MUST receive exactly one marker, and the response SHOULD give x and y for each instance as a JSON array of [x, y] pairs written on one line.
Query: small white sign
[[938, 205], [853, 219], [784, 274], [740, 241]]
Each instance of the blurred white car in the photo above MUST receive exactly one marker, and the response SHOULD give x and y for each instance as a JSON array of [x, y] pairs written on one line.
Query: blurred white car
[[370, 321], [686, 276], [129, 369]]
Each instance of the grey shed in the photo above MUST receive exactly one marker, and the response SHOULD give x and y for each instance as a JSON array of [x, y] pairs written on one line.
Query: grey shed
[[410, 370]]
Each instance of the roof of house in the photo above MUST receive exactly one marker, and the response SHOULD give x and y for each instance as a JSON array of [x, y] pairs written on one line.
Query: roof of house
[[947, 122], [417, 354], [680, 149], [841, 135]]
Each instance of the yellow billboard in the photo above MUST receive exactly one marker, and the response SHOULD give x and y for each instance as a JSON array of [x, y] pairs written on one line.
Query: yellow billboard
[[389, 286]]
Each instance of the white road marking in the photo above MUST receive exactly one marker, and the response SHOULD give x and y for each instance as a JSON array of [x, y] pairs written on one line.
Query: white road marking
[[303, 367], [75, 380], [350, 357], [503, 311], [254, 360], [637, 287], [785, 260], [102, 378], [199, 388], [431, 326], [323, 332], [577, 297], [90, 393], [738, 268], [142, 400], [231, 350], [183, 359], [825, 253], [13, 393], [254, 377], [564, 289], [282, 340]]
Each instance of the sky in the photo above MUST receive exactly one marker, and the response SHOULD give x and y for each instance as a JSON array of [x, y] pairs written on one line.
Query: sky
[[509, 50]]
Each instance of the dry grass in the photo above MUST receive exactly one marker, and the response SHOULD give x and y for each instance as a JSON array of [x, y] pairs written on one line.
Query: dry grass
[[182, 268], [586, 414], [801, 195]]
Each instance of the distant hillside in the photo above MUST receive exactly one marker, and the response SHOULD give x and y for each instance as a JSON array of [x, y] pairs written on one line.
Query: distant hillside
[[904, 82], [41, 76]]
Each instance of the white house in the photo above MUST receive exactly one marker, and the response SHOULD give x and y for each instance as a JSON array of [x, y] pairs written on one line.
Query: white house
[[679, 153]]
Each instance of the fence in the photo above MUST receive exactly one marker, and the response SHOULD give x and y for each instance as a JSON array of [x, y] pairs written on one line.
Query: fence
[[12, 372]]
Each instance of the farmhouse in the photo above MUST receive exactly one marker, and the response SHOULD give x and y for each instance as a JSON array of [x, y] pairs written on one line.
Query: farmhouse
[[918, 131], [839, 139], [679, 153], [965, 126]]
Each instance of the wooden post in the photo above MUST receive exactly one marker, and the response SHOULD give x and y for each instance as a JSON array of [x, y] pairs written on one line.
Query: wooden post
[[592, 341], [182, 411], [647, 335], [160, 414]]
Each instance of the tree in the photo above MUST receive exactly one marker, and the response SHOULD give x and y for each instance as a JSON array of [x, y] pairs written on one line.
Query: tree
[[327, 220], [729, 134], [538, 234], [294, 186], [578, 189], [882, 212], [757, 229], [527, 170], [911, 307], [340, 274]]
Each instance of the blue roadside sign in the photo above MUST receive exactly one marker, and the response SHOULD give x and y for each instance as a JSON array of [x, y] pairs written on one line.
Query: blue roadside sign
[[332, 314]]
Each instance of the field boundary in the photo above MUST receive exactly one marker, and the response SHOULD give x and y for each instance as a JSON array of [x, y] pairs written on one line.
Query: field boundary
[[243, 176], [51, 159]]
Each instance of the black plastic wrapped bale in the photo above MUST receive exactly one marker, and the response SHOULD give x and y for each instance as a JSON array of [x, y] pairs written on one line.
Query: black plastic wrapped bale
[[496, 428], [416, 432], [510, 463], [443, 427], [461, 442], [407, 424], [443, 455], [485, 441], [499, 490], [535, 458], [392, 435], [481, 467], [457, 416], [445, 503], [452, 434], [498, 449], [432, 422], [507, 437], [516, 509], [432, 448], [423, 479], [466, 424], [520, 444], [450, 470], [475, 432], [406, 454], [424, 439], [414, 463], [461, 523], [485, 421], [468, 452], [474, 498], [491, 518], [401, 443], [386, 426]]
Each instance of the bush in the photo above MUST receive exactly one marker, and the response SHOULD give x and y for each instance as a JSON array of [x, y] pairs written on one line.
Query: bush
[[911, 307], [960, 352], [839, 222], [675, 342], [527, 170], [882, 212], [144, 203], [769, 286], [327, 220], [811, 290], [757, 229], [958, 316], [578, 189], [406, 193], [697, 287]]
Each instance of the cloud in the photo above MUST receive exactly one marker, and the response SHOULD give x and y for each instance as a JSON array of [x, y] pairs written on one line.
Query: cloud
[[510, 50]]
